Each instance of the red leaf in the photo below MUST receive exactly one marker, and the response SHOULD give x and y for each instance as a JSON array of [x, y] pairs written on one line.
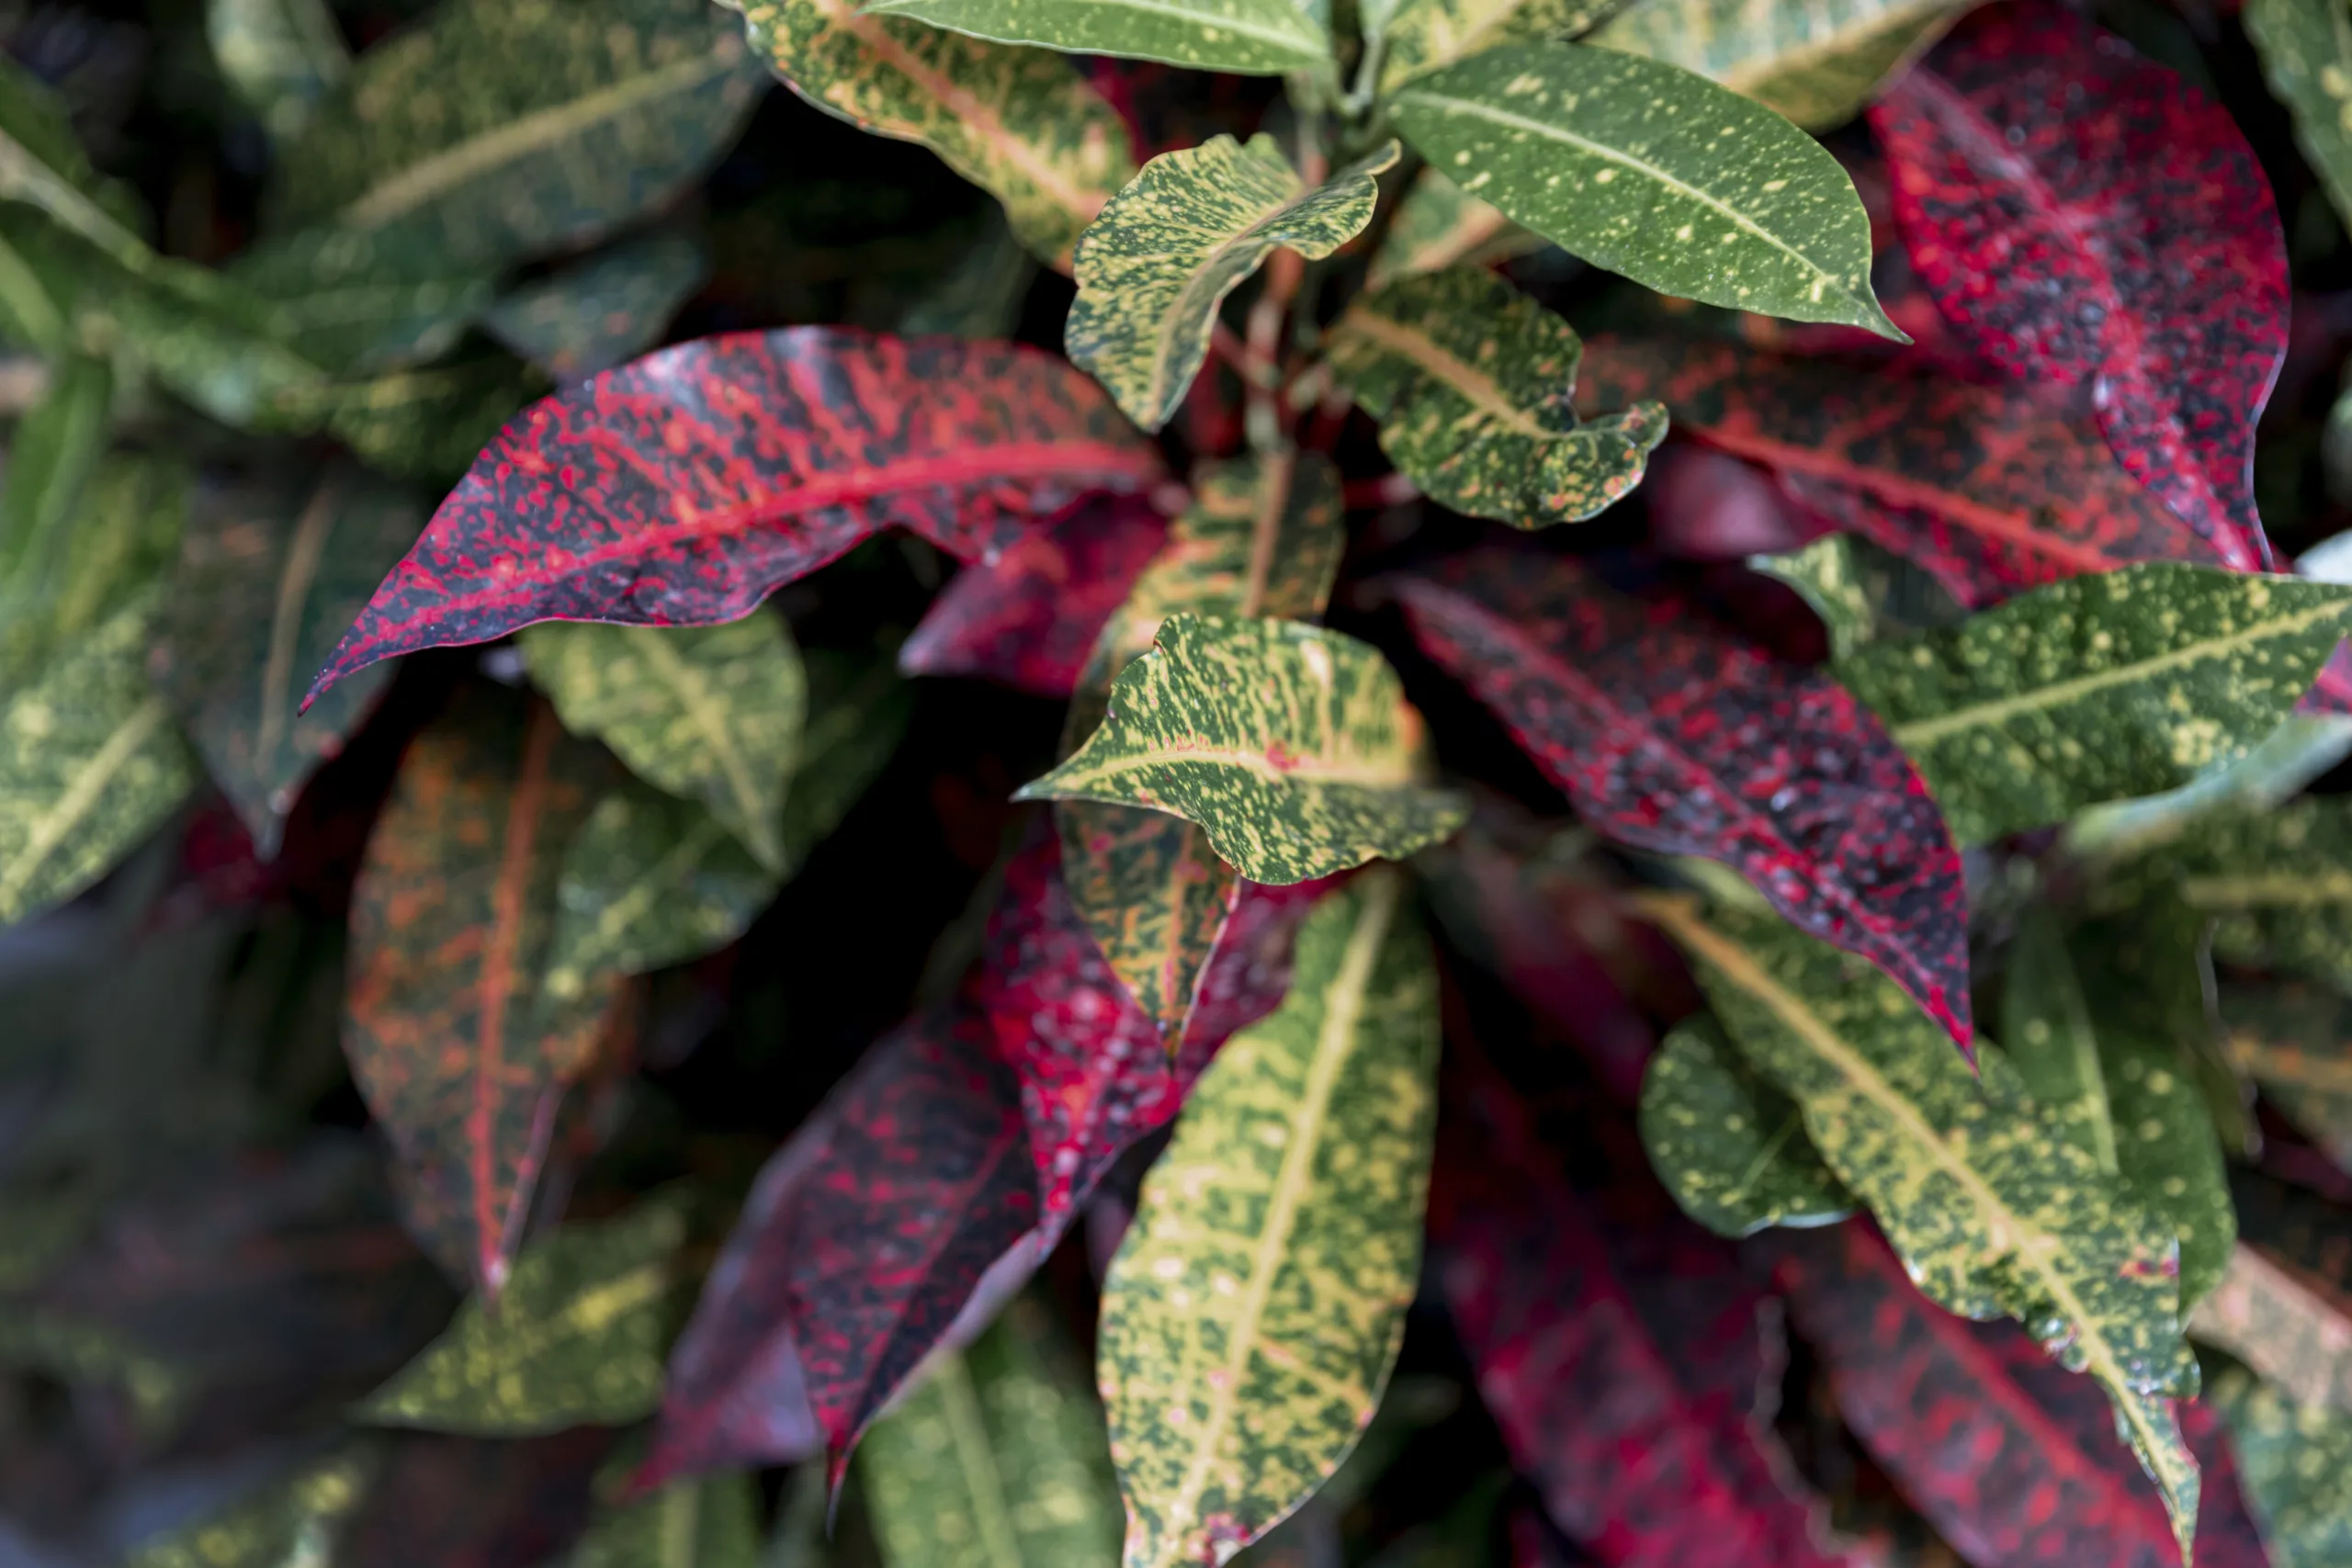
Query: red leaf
[[1630, 1362], [1673, 736], [2083, 215], [1994, 488], [1029, 617], [2013, 1458], [683, 487]]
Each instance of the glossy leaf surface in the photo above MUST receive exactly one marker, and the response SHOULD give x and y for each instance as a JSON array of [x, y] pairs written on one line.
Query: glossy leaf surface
[[1260, 1291], [1817, 64], [1439, 224], [710, 714], [1992, 1209], [1253, 37], [1419, 36], [1573, 142], [1730, 1146], [2127, 240], [606, 308], [575, 1339], [680, 489], [280, 56], [498, 131], [2097, 688], [2307, 59], [1473, 384], [1179, 237], [271, 573], [444, 1021], [1676, 737], [1291, 747], [1019, 123]]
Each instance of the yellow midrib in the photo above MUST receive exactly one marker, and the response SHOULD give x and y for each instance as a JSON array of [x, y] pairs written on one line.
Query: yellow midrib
[[1475, 388], [74, 803], [1388, 775], [703, 710], [303, 557], [2273, 890]]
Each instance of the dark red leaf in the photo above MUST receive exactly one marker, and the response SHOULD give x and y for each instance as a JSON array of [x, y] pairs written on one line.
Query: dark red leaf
[[1029, 617], [2083, 215], [1994, 488], [1630, 1362], [2014, 1460], [2332, 692], [1674, 737], [683, 487]]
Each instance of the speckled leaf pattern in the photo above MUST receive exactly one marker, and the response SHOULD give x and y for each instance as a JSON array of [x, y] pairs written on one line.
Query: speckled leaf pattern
[[1262, 38], [85, 562], [1992, 1208], [711, 714], [597, 311], [2277, 883], [270, 574], [1291, 747], [1179, 237], [2294, 1329], [1650, 171], [2294, 1039], [681, 488], [2097, 688], [496, 132], [1253, 1313], [2303, 746], [425, 422], [1815, 63], [712, 1523], [2306, 50], [1473, 384], [995, 1458], [450, 926], [1729, 1146], [292, 1522], [1423, 34], [1860, 591], [1262, 534], [1987, 487], [280, 57], [1019, 123], [350, 301], [2157, 267], [575, 1339], [90, 763], [2052, 1041], [2297, 1464], [1439, 224], [2013, 1460], [1674, 737]]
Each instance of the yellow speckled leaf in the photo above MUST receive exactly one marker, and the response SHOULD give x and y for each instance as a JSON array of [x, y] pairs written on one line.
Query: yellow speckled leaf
[[1262, 38], [290, 1525], [576, 1339], [1425, 34], [2295, 1463], [1437, 224], [1020, 123], [1729, 1146], [1816, 63], [2295, 1040], [1292, 746], [1253, 1312]]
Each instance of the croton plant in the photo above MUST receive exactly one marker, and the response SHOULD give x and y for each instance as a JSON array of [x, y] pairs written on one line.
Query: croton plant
[[1542, 756]]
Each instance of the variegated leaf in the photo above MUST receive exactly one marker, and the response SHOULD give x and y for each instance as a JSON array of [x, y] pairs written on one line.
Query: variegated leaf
[[1817, 64], [428, 421], [1019, 123], [87, 562], [576, 1337], [53, 448], [1262, 38], [351, 300], [1263, 536], [2293, 1328], [1730, 1146], [294, 1521], [2296, 1462], [2294, 1039], [996, 1456], [1860, 592], [1473, 385], [1179, 238], [503, 128], [2306, 50], [1254, 1310], [1291, 747], [2097, 688], [601, 310], [89, 764], [1439, 224], [1421, 35], [2305, 746], [711, 714], [280, 56], [1623, 161], [710, 1523], [1993, 1209], [2274, 882]]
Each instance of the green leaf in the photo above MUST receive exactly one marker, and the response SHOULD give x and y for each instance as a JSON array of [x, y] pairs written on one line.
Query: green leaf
[[1992, 1208], [981, 295], [429, 422], [1648, 170], [710, 1523], [1473, 385], [2295, 1040], [51, 452], [37, 291], [2097, 688], [1425, 34], [597, 311], [576, 1339], [1253, 1313], [859, 710], [350, 301], [1292, 747], [1262, 536], [272, 572], [1256, 38], [292, 1524], [711, 714], [1019, 123], [2295, 1464], [2277, 883], [2303, 746], [114, 546], [1437, 224], [1729, 1146], [42, 164], [1179, 238], [2306, 50], [996, 1458], [1860, 592], [501, 129], [1817, 63], [280, 57], [89, 764]]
